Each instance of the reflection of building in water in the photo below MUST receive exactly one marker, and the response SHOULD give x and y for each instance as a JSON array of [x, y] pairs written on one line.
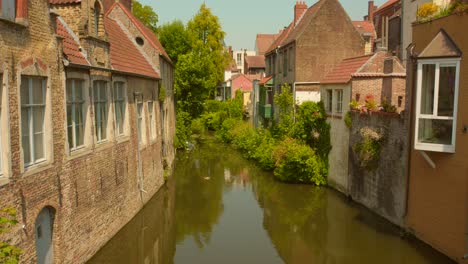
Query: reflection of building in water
[[149, 238], [227, 175]]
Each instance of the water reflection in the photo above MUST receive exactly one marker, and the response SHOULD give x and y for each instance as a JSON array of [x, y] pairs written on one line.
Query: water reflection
[[228, 211], [148, 238]]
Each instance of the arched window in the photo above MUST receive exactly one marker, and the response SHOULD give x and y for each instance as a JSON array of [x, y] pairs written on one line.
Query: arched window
[[97, 16]]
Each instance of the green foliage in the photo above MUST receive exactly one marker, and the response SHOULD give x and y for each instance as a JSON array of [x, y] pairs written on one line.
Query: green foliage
[[426, 11], [354, 105], [183, 130], [145, 14], [175, 39], [348, 120], [297, 163], [285, 103], [8, 254], [371, 104], [162, 93], [387, 107], [198, 127], [368, 149], [312, 127]]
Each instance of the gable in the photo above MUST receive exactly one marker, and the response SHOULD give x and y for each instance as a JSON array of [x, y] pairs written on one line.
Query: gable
[[441, 46]]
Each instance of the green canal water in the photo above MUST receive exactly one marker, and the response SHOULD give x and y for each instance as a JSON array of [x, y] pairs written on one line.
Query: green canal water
[[220, 208]]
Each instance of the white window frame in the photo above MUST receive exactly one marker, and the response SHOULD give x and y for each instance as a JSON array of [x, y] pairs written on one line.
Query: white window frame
[[151, 119], [121, 100], [339, 101], [74, 102], [454, 62], [33, 160], [97, 114], [141, 123]]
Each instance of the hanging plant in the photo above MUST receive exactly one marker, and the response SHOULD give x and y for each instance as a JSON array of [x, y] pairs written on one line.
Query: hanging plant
[[162, 93], [368, 149]]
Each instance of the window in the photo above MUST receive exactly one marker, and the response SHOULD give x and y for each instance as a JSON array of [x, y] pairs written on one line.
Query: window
[[140, 122], [100, 110], [97, 16], [152, 127], [120, 107], [436, 114], [239, 59], [329, 101], [8, 9], [33, 103], [290, 59], [285, 63], [75, 113], [339, 101]]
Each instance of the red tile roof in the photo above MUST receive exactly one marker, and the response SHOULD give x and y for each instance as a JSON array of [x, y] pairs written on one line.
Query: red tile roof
[[58, 2], [279, 40], [255, 61], [365, 27], [71, 45], [264, 41], [342, 73], [124, 55], [147, 33], [241, 81], [386, 4], [265, 79]]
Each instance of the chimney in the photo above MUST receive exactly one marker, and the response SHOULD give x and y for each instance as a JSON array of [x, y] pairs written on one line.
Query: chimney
[[299, 10], [370, 11]]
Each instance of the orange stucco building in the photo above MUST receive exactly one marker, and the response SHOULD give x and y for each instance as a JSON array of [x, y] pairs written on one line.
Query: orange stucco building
[[437, 211]]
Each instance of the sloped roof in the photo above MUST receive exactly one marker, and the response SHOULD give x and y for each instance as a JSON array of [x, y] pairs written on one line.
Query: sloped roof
[[342, 73], [124, 55], [147, 33], [303, 22], [386, 4], [255, 61], [240, 81], [59, 2], [265, 79], [365, 27], [279, 40], [264, 41], [71, 44], [441, 46]]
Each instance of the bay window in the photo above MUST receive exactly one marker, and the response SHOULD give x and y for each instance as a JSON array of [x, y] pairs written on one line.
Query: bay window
[[436, 105], [75, 113], [100, 98], [33, 104], [120, 107]]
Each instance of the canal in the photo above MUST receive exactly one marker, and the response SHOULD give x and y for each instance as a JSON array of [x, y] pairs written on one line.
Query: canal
[[220, 208]]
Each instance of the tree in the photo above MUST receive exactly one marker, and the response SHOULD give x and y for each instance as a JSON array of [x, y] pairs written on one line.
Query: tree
[[199, 71], [8, 254], [145, 14], [175, 39]]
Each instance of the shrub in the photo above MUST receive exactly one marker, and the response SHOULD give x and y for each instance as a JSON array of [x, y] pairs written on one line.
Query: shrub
[[297, 163], [371, 104], [312, 127], [285, 103], [348, 120], [225, 132], [246, 139], [426, 11], [162, 93], [263, 154], [8, 254], [183, 130], [354, 105], [387, 107], [198, 127], [368, 149]]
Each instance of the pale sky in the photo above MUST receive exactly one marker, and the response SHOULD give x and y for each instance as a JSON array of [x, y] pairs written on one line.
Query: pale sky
[[243, 19]]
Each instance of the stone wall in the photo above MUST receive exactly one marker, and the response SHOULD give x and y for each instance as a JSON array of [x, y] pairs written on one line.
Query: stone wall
[[381, 189]]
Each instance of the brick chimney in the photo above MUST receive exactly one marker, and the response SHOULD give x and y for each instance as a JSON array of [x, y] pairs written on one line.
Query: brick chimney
[[299, 10], [370, 11]]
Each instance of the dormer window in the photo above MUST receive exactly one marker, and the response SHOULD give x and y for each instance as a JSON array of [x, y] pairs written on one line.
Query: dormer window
[[437, 95], [97, 16]]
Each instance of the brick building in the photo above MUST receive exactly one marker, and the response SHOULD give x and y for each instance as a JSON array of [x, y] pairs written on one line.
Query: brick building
[[316, 40], [85, 136]]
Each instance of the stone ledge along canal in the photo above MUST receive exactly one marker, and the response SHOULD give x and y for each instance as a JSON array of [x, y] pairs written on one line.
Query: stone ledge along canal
[[221, 208]]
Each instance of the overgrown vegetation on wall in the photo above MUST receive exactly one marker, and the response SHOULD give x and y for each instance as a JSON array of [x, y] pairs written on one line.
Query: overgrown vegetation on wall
[[430, 11], [369, 148], [8, 254], [296, 151]]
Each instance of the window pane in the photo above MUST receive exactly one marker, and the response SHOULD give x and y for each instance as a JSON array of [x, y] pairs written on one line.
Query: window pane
[[69, 125], [427, 92], [96, 92], [38, 119], [79, 135], [38, 91], [79, 125], [38, 146], [79, 90], [446, 91], [70, 136], [25, 135], [329, 100], [69, 91], [435, 131], [139, 121], [24, 90]]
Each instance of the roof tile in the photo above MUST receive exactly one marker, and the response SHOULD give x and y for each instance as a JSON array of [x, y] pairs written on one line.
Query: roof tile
[[342, 72], [71, 46]]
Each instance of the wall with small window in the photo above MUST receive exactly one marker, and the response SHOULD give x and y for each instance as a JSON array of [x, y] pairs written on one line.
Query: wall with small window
[[102, 111]]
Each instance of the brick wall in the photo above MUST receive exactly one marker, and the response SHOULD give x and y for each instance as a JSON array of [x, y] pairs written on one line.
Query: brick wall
[[382, 189], [92, 194]]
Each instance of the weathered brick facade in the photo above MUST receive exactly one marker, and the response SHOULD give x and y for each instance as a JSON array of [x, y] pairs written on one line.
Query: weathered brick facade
[[94, 191]]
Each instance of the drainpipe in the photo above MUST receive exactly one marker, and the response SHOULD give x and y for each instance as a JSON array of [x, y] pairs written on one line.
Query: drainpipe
[[294, 95]]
